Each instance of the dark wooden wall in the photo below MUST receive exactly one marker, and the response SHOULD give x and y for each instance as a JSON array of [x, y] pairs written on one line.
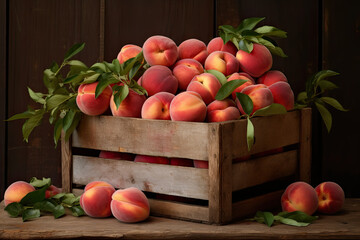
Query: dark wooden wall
[[321, 34]]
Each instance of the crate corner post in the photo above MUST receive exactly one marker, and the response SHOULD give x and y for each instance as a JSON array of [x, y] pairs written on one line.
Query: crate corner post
[[66, 164]]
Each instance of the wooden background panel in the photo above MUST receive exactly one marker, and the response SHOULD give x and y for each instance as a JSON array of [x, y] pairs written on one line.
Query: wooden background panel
[[40, 32], [340, 161], [135, 21]]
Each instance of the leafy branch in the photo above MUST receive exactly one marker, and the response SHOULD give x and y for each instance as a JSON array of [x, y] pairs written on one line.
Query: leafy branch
[[296, 218]]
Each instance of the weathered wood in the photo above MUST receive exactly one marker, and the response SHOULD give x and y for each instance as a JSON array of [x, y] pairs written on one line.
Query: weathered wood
[[267, 168], [149, 137], [167, 179], [66, 164], [305, 145]]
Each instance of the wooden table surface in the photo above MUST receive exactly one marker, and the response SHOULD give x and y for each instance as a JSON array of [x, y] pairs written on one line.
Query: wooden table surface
[[345, 225]]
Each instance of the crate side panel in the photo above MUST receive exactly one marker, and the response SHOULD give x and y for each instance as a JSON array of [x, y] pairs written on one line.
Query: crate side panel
[[148, 137], [261, 170], [158, 178]]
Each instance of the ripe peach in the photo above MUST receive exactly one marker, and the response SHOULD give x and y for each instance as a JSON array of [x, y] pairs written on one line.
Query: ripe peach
[[52, 191], [181, 162], [331, 197], [299, 196], [260, 95], [201, 164], [224, 110], [160, 50], [159, 79], [217, 44], [188, 106], [130, 205], [194, 49], [128, 51], [157, 106], [151, 159], [185, 70], [272, 77], [87, 102], [207, 85], [244, 76], [94, 184], [223, 62], [130, 106], [16, 191], [257, 62], [95, 201], [116, 155], [283, 94]]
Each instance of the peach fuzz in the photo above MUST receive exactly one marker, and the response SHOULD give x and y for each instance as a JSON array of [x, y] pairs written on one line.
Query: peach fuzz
[[217, 44], [207, 85], [130, 205], [117, 155], [257, 62], [87, 102], [52, 191], [299, 196], [160, 50], [16, 191], [272, 77], [331, 197], [201, 164], [159, 79], [283, 94], [185, 70], [151, 159], [184, 162], [224, 110], [157, 106], [93, 184], [223, 62], [243, 76], [194, 49], [188, 106], [130, 106], [260, 95], [95, 200], [128, 51]]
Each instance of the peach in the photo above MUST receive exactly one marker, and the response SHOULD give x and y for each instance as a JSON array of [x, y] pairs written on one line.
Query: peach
[[96, 200], [185, 70], [299, 196], [151, 159], [16, 191], [223, 62], [272, 77], [130, 205], [128, 51], [331, 197], [116, 155], [207, 85], [283, 94], [257, 62], [244, 76], [52, 191], [130, 106], [224, 110], [94, 184], [184, 162], [188, 106], [201, 164], [87, 102], [160, 50], [159, 79], [194, 49], [260, 95], [157, 106], [217, 44]]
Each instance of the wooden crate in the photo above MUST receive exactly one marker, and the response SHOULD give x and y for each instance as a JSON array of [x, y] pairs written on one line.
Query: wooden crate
[[217, 143]]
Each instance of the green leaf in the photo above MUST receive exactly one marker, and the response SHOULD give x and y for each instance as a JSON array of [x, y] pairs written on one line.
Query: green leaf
[[250, 133], [37, 97], [30, 213], [298, 216], [292, 222], [56, 100], [116, 64], [39, 183], [68, 119], [78, 64], [105, 80], [226, 89], [252, 33], [92, 78], [334, 103], [73, 125], [267, 217], [272, 109], [325, 115], [246, 45], [326, 85], [321, 76], [77, 211], [129, 64], [45, 206], [301, 97], [58, 196], [109, 66], [272, 48], [59, 211], [219, 75], [69, 199], [75, 78], [54, 67], [98, 66], [120, 95], [57, 130], [135, 69], [248, 24], [245, 102], [271, 31], [50, 80], [14, 209], [34, 196], [27, 114], [75, 49], [31, 123]]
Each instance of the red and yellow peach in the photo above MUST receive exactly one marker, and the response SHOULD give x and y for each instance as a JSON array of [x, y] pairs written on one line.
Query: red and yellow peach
[[207, 85], [283, 94], [272, 77], [224, 110], [157, 106], [129, 107], [185, 70], [159, 79], [194, 49], [223, 62], [128, 51], [260, 95], [243, 76], [16, 191], [188, 106], [331, 197], [160, 50], [217, 44]]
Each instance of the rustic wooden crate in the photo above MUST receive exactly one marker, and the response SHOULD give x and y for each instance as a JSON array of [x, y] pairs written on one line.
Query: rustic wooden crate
[[217, 143]]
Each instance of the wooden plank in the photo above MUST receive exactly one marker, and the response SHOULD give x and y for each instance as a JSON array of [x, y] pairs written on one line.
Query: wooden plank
[[66, 164], [142, 136], [157, 178], [305, 145], [266, 168]]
